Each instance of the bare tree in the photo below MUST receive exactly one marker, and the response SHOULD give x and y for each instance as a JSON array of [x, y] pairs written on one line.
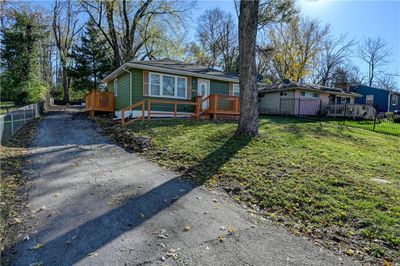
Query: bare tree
[[217, 34], [335, 53], [248, 18], [65, 28], [125, 24], [375, 53], [387, 82]]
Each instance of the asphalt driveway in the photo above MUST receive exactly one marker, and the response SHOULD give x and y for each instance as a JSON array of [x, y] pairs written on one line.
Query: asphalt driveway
[[93, 203]]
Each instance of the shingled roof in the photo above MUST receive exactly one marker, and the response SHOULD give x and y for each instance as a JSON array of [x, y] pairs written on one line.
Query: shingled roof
[[291, 85], [177, 68], [189, 67]]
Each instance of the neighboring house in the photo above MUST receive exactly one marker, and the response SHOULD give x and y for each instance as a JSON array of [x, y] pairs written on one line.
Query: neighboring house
[[383, 100], [294, 98], [168, 80]]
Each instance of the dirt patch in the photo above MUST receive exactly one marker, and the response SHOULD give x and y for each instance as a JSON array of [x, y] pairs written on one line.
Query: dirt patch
[[13, 198]]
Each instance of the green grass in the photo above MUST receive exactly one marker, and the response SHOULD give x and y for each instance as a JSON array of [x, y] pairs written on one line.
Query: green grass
[[7, 104], [387, 127], [315, 178]]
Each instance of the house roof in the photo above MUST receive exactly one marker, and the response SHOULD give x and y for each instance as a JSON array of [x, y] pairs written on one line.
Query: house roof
[[355, 87], [175, 67], [305, 86]]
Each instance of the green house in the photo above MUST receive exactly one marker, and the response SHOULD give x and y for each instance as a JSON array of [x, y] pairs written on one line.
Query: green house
[[136, 81]]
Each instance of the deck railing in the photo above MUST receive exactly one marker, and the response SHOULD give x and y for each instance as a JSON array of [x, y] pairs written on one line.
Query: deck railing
[[223, 105], [99, 101], [350, 110], [216, 105]]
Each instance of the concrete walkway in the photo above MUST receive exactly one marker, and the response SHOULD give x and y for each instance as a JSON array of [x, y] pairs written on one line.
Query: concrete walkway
[[93, 203]]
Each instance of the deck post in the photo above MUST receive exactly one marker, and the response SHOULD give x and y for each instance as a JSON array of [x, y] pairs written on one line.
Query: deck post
[[143, 110], [215, 103], [148, 110], [175, 110], [123, 117]]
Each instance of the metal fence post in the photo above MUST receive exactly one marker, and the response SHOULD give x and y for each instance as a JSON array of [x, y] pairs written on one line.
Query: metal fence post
[[12, 123], [376, 115]]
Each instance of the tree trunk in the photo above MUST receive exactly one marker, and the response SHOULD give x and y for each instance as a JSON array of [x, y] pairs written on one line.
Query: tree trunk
[[112, 32], [65, 84], [248, 121]]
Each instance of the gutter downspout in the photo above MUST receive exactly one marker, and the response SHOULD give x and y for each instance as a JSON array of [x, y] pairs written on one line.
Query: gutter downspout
[[130, 84], [389, 102]]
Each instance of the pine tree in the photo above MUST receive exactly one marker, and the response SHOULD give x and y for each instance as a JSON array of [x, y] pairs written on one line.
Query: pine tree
[[92, 60], [20, 57]]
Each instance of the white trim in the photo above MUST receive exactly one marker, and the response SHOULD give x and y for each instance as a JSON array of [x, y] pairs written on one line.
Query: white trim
[[115, 90], [161, 75], [138, 113]]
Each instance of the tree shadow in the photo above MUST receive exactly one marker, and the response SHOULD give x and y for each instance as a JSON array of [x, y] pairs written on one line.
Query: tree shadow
[[72, 246]]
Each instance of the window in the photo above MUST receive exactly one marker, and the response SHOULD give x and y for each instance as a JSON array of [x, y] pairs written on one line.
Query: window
[[338, 100], [309, 94], [155, 84], [283, 93], [236, 90], [369, 99], [395, 99], [331, 99], [167, 86], [347, 100], [181, 88], [115, 87]]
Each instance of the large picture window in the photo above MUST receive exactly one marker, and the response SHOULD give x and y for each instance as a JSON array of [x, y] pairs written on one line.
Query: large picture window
[[169, 86]]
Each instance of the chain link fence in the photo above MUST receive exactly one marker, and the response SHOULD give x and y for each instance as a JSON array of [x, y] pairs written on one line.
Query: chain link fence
[[12, 121]]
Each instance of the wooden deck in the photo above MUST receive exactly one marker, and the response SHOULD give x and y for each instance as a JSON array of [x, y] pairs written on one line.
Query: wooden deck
[[223, 105], [215, 105], [99, 101]]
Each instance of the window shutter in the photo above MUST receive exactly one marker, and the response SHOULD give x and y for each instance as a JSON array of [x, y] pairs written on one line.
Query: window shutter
[[189, 88], [145, 83], [230, 88]]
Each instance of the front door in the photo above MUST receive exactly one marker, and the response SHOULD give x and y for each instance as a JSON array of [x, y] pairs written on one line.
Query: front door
[[203, 89]]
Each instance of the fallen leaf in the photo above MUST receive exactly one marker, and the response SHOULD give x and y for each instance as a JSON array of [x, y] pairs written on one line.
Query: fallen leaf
[[92, 254], [231, 230], [187, 228], [37, 246]]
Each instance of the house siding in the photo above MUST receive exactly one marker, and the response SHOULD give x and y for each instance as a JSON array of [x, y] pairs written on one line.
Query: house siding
[[122, 99], [380, 97], [219, 87]]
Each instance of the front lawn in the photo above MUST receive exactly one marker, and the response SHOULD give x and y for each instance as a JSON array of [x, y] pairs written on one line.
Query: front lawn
[[339, 185], [385, 126]]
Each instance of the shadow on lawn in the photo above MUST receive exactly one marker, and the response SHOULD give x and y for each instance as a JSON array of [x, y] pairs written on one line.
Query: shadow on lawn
[[92, 235]]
